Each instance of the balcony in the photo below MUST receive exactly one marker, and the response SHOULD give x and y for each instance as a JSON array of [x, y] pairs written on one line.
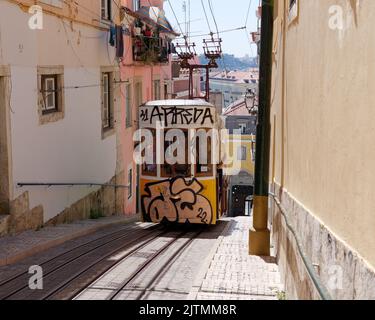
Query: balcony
[[150, 49]]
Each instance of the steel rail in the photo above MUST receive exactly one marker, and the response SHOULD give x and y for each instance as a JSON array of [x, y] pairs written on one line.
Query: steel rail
[[164, 267], [143, 266], [65, 263], [78, 274], [17, 275]]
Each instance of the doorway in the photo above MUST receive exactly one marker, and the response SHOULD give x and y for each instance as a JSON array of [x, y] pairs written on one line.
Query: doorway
[[241, 199]]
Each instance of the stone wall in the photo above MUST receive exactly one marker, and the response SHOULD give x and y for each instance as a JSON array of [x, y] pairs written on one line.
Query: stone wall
[[21, 217], [107, 201], [345, 274]]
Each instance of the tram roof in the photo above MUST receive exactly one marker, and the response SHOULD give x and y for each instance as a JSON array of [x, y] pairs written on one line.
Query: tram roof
[[180, 103]]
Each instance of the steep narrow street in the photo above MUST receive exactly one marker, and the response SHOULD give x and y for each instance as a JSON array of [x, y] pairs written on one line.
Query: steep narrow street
[[187, 158]]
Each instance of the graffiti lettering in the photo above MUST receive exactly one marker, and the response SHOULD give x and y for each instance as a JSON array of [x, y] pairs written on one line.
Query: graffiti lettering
[[177, 115], [202, 215], [176, 200], [143, 115]]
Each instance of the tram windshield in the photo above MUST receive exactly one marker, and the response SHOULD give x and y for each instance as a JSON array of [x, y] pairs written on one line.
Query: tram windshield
[[178, 169]]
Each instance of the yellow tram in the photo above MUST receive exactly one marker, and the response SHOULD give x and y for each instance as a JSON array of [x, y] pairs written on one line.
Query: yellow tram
[[178, 183]]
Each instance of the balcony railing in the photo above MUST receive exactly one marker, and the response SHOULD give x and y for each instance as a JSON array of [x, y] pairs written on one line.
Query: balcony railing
[[150, 49]]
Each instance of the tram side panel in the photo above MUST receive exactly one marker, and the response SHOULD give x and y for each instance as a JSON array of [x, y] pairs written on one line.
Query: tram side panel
[[179, 200]]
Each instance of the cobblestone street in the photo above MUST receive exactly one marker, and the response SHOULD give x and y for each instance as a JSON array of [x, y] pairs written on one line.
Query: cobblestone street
[[233, 274], [213, 265]]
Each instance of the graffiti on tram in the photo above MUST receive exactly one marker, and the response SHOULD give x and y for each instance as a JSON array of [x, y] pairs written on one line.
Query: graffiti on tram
[[176, 200], [176, 116]]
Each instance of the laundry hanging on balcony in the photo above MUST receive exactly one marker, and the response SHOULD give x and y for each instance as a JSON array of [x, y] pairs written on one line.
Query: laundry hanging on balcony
[[112, 36], [119, 42], [116, 39]]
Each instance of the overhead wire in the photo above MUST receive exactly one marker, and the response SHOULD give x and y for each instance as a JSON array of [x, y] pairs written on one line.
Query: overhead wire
[[189, 22], [218, 33], [248, 39], [213, 16], [175, 16], [248, 13], [223, 31], [245, 27], [205, 14]]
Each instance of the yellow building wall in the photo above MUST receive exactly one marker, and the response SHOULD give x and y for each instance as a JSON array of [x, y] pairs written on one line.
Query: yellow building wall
[[234, 165], [323, 116]]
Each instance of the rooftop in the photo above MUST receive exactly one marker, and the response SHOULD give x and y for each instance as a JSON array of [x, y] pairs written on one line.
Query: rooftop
[[246, 76]]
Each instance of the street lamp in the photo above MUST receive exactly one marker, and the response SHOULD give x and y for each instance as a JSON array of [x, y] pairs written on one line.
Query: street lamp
[[250, 98]]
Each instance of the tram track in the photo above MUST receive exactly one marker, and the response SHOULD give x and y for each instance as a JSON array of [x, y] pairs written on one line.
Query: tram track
[[16, 287], [53, 294], [68, 274], [128, 282], [142, 269], [66, 252], [150, 286]]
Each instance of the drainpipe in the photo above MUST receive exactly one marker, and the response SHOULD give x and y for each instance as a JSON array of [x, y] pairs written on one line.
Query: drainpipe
[[259, 236]]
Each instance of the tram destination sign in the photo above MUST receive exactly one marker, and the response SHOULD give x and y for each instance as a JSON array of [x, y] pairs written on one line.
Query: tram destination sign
[[177, 116]]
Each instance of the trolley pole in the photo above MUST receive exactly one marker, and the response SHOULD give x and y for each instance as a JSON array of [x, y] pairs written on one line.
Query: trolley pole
[[259, 236]]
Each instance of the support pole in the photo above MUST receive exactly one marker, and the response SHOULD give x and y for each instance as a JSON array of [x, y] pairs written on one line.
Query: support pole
[[259, 236], [191, 85]]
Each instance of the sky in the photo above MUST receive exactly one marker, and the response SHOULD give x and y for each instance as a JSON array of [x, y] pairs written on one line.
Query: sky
[[229, 14]]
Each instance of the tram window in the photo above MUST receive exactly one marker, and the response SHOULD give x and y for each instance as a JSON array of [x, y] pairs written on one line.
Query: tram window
[[204, 168], [150, 169], [179, 169]]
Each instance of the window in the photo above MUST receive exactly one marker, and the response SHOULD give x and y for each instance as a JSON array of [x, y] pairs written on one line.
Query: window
[[138, 94], [128, 106], [51, 94], [150, 169], [130, 183], [157, 89], [107, 100], [242, 128], [242, 153], [178, 169], [136, 5], [253, 151], [203, 150], [293, 9], [106, 9], [50, 91], [166, 91]]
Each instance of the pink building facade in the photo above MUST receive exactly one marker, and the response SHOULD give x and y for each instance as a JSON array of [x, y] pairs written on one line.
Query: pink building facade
[[146, 75]]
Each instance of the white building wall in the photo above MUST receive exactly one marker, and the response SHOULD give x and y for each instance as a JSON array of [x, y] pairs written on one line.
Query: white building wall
[[71, 149]]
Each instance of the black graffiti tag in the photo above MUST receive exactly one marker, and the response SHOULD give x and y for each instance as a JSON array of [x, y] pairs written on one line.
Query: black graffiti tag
[[178, 116], [144, 115]]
